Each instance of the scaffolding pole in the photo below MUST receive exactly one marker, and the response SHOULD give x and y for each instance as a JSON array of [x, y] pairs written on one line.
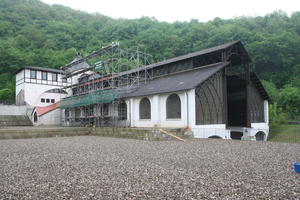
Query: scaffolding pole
[[95, 91]]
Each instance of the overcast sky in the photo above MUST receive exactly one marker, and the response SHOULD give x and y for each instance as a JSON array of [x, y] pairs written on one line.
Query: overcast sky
[[184, 10]]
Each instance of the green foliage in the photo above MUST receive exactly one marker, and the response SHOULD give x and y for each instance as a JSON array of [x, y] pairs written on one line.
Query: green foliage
[[22, 41], [271, 90], [289, 98], [276, 115], [295, 81], [5, 94], [33, 33]]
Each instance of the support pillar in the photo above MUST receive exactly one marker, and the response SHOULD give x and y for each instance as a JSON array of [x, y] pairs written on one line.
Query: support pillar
[[225, 107], [248, 100]]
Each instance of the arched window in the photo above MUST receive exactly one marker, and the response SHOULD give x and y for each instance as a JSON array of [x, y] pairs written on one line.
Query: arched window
[[145, 109], [173, 107], [35, 117], [67, 114], [56, 91], [122, 110], [209, 101]]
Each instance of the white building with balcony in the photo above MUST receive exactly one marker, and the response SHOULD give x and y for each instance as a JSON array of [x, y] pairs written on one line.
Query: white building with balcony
[[39, 87]]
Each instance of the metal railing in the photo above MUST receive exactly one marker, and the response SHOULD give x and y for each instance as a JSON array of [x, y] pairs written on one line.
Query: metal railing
[[284, 135], [8, 102]]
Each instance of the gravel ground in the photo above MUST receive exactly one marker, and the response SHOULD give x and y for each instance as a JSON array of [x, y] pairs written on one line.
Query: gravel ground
[[88, 167]]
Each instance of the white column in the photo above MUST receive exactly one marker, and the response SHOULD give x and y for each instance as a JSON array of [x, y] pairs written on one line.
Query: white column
[[191, 108], [266, 110], [155, 110]]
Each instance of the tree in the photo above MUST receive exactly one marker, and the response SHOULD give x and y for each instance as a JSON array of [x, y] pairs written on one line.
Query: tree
[[22, 41], [44, 15], [10, 58], [34, 33], [276, 115], [271, 90], [5, 94], [289, 98], [295, 21]]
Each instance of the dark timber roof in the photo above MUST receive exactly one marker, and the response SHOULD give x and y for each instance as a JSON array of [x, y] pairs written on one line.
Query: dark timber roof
[[195, 54], [39, 69], [177, 81], [259, 86]]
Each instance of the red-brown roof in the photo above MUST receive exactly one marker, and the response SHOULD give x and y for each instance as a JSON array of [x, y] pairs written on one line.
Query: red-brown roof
[[43, 110]]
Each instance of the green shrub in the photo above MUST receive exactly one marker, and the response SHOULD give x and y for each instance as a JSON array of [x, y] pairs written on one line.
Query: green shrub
[[5, 94]]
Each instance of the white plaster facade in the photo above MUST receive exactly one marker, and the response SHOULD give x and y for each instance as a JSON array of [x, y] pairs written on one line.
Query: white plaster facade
[[40, 87], [158, 111], [35, 88], [51, 118], [188, 119]]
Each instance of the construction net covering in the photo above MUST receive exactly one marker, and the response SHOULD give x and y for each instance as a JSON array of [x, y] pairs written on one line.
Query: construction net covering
[[98, 96]]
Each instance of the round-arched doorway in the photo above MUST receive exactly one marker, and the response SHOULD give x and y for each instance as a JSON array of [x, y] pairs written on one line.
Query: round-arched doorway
[[260, 136]]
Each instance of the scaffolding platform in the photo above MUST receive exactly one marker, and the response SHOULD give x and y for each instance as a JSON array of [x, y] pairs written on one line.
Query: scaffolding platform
[[97, 82]]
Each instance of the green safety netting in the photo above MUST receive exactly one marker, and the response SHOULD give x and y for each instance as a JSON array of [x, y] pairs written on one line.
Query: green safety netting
[[105, 96]]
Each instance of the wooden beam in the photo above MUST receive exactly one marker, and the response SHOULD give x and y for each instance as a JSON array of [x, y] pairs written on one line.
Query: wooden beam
[[172, 135]]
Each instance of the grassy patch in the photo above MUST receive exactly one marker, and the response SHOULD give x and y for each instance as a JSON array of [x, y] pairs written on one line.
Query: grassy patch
[[284, 133]]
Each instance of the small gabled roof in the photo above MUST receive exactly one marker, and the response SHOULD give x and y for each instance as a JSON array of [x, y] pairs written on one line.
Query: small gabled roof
[[43, 110], [177, 81], [44, 69], [80, 65]]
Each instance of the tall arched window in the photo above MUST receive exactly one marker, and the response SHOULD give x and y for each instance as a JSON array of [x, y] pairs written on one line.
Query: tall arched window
[[173, 107], [145, 109], [67, 114], [209, 101], [122, 110], [35, 117]]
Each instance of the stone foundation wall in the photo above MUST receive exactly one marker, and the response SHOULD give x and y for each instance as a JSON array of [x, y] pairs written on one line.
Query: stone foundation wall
[[15, 120], [140, 134]]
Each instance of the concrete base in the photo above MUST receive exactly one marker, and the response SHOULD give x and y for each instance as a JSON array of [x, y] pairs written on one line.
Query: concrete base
[[140, 134], [248, 138]]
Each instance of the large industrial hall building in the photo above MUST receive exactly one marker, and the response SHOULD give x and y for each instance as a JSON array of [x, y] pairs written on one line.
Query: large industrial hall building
[[210, 92]]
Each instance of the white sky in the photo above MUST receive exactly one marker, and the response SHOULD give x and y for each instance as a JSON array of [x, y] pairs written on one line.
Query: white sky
[[183, 10]]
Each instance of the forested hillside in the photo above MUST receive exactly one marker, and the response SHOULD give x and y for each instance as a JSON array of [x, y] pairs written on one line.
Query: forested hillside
[[33, 33]]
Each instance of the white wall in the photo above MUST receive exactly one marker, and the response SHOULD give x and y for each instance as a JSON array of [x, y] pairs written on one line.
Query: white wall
[[34, 88], [188, 113], [33, 91], [49, 119], [259, 127], [188, 117], [19, 81], [12, 110], [206, 131], [158, 111], [55, 96]]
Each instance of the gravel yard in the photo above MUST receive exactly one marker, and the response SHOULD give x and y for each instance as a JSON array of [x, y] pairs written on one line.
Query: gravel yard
[[112, 168]]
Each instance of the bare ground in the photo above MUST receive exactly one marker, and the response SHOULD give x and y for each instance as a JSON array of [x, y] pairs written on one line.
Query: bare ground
[[110, 168]]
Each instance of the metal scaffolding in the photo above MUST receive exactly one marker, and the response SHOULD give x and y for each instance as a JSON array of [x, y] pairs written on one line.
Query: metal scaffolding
[[97, 82]]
